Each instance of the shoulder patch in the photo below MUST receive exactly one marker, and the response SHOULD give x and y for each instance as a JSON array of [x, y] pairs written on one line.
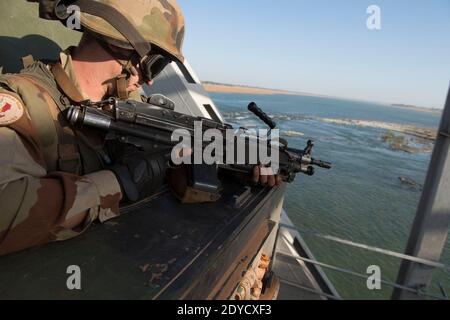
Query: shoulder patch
[[11, 109]]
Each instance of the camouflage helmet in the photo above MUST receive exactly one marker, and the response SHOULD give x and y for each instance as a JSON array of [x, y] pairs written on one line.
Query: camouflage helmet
[[160, 22]]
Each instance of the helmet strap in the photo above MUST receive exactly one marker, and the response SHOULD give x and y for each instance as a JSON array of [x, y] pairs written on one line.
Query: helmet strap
[[121, 86], [121, 81]]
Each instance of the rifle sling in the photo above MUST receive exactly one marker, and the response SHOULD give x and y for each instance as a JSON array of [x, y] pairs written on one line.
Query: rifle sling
[[66, 85]]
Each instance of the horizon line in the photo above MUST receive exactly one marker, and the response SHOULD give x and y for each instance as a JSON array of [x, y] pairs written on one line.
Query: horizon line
[[392, 104]]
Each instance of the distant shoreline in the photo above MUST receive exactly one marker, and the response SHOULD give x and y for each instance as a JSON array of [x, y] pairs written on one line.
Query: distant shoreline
[[411, 107], [226, 88], [231, 88]]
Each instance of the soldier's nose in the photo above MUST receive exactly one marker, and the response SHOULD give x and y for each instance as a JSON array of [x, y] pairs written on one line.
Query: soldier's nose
[[149, 82]]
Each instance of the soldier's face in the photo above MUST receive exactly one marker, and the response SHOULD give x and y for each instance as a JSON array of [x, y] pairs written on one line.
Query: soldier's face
[[136, 79]]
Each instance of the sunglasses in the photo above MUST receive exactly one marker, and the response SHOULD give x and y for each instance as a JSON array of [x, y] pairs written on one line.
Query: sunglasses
[[150, 66], [153, 64]]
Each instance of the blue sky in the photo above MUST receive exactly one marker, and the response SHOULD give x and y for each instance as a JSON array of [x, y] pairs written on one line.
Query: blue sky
[[324, 47]]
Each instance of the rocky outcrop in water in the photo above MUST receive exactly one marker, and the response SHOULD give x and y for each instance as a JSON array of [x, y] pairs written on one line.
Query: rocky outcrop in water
[[291, 133], [410, 183], [423, 133], [409, 144], [401, 137]]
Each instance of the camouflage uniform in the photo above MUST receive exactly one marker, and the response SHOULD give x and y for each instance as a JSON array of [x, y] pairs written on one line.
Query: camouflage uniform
[[36, 196], [49, 172], [162, 25]]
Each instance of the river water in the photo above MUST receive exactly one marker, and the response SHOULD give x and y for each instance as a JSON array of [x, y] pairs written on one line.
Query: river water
[[361, 198]]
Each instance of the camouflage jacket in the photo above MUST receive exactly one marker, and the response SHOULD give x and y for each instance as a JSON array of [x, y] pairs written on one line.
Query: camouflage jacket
[[47, 176]]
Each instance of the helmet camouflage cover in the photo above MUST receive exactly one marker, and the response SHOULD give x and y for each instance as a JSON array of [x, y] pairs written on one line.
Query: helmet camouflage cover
[[160, 22]]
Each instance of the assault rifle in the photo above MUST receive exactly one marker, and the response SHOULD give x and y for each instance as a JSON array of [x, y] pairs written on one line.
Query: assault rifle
[[149, 125]]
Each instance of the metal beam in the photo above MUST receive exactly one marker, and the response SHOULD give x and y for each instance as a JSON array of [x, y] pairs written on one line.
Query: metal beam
[[430, 227]]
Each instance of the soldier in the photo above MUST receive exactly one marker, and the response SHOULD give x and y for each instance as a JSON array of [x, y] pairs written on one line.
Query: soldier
[[55, 180]]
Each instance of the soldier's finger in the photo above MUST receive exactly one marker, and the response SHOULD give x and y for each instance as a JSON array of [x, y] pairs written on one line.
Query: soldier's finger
[[263, 179], [279, 180], [271, 181], [255, 174], [183, 152], [266, 171]]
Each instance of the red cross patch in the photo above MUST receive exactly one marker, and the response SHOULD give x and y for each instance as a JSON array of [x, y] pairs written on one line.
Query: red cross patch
[[11, 109]]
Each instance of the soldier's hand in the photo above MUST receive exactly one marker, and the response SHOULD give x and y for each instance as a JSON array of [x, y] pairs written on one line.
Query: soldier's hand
[[265, 176], [140, 174], [179, 155]]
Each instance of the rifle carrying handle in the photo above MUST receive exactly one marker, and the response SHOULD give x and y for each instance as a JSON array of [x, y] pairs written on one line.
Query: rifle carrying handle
[[262, 115]]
